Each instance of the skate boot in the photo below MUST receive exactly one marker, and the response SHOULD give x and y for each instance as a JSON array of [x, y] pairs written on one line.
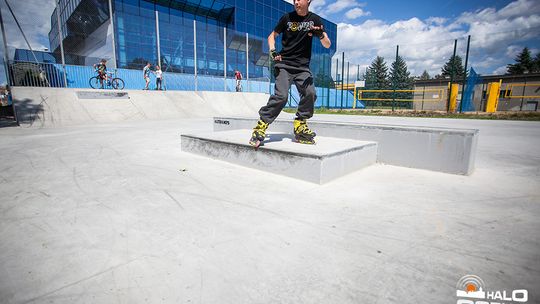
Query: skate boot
[[302, 133], [259, 133]]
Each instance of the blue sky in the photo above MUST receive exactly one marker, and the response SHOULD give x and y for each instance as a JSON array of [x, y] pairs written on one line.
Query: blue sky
[[424, 29], [394, 10]]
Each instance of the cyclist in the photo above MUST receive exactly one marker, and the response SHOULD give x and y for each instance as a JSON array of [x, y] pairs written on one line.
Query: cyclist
[[101, 69]]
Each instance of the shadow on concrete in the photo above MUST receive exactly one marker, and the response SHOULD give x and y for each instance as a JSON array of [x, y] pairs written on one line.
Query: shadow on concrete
[[28, 112], [7, 117], [278, 137]]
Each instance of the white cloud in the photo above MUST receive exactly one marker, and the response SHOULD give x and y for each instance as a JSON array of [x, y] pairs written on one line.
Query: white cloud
[[500, 70], [428, 44], [341, 5], [34, 18], [513, 50], [436, 20], [356, 13], [317, 6]]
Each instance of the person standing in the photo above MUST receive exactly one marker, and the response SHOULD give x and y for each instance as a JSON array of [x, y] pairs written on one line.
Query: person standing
[[146, 74], [238, 77], [159, 76], [292, 65]]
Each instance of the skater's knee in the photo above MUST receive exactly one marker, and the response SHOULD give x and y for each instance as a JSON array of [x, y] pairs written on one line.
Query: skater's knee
[[280, 97], [311, 94]]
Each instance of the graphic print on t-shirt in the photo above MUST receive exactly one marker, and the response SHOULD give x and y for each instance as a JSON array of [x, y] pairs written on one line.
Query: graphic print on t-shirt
[[300, 26]]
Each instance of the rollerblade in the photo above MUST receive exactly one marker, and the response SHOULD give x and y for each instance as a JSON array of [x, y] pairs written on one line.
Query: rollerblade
[[302, 133], [259, 133]]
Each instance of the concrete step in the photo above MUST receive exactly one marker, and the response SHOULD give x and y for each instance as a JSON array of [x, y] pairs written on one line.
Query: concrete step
[[448, 150], [329, 159]]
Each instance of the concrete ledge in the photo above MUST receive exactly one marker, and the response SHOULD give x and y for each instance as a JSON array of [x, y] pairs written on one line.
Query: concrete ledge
[[329, 159], [437, 149]]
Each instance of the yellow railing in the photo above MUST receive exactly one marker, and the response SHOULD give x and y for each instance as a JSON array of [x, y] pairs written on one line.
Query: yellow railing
[[510, 88], [349, 86], [440, 95]]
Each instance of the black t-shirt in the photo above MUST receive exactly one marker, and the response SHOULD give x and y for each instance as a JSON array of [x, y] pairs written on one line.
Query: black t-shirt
[[296, 42]]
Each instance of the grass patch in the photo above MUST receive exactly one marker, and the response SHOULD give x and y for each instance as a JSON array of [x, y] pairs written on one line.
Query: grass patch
[[525, 115]]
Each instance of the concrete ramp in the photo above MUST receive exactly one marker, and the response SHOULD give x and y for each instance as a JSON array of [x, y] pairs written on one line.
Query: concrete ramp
[[56, 107]]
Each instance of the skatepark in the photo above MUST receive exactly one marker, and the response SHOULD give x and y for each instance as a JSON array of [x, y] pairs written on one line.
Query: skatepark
[[102, 203]]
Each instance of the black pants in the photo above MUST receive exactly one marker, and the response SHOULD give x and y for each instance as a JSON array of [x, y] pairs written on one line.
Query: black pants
[[285, 76], [158, 83]]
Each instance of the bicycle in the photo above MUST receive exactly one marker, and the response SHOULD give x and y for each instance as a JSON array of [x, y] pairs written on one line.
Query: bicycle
[[111, 82]]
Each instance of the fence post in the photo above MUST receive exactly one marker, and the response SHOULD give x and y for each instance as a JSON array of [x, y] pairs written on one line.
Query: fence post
[[465, 76], [328, 84], [195, 52], [157, 40], [335, 81], [61, 39], [452, 61], [6, 58], [113, 37], [342, 72], [225, 59], [347, 100], [247, 61], [522, 95], [394, 80]]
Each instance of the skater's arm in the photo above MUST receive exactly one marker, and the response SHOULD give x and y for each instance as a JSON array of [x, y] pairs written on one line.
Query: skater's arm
[[272, 44], [319, 32], [272, 40], [326, 41]]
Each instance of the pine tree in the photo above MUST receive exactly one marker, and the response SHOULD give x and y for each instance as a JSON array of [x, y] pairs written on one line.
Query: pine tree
[[524, 63], [439, 76], [536, 68], [425, 75], [400, 78], [377, 78], [457, 64]]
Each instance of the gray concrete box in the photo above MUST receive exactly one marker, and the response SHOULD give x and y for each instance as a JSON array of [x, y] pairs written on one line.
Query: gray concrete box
[[329, 159], [438, 149]]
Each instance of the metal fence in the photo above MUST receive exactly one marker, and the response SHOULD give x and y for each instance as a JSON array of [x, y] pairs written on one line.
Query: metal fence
[[31, 74]]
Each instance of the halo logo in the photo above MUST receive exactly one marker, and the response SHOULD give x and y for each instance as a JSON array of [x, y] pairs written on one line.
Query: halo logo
[[473, 288]]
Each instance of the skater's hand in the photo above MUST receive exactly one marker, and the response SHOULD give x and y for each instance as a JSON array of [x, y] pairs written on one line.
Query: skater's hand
[[275, 55], [318, 31]]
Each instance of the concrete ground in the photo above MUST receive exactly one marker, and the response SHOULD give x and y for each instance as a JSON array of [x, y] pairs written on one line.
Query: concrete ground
[[117, 213]]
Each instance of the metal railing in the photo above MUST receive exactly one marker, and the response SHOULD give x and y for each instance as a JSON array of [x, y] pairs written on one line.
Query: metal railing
[[31, 74]]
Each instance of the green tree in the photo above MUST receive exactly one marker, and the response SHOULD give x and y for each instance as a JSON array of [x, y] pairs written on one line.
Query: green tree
[[400, 78], [455, 64], [377, 78], [537, 63], [425, 75], [524, 63]]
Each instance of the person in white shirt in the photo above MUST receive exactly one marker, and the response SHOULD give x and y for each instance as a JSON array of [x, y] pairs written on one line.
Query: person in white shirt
[[159, 77]]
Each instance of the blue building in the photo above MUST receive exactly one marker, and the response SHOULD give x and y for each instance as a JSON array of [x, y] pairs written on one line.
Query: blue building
[[27, 55], [215, 32]]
